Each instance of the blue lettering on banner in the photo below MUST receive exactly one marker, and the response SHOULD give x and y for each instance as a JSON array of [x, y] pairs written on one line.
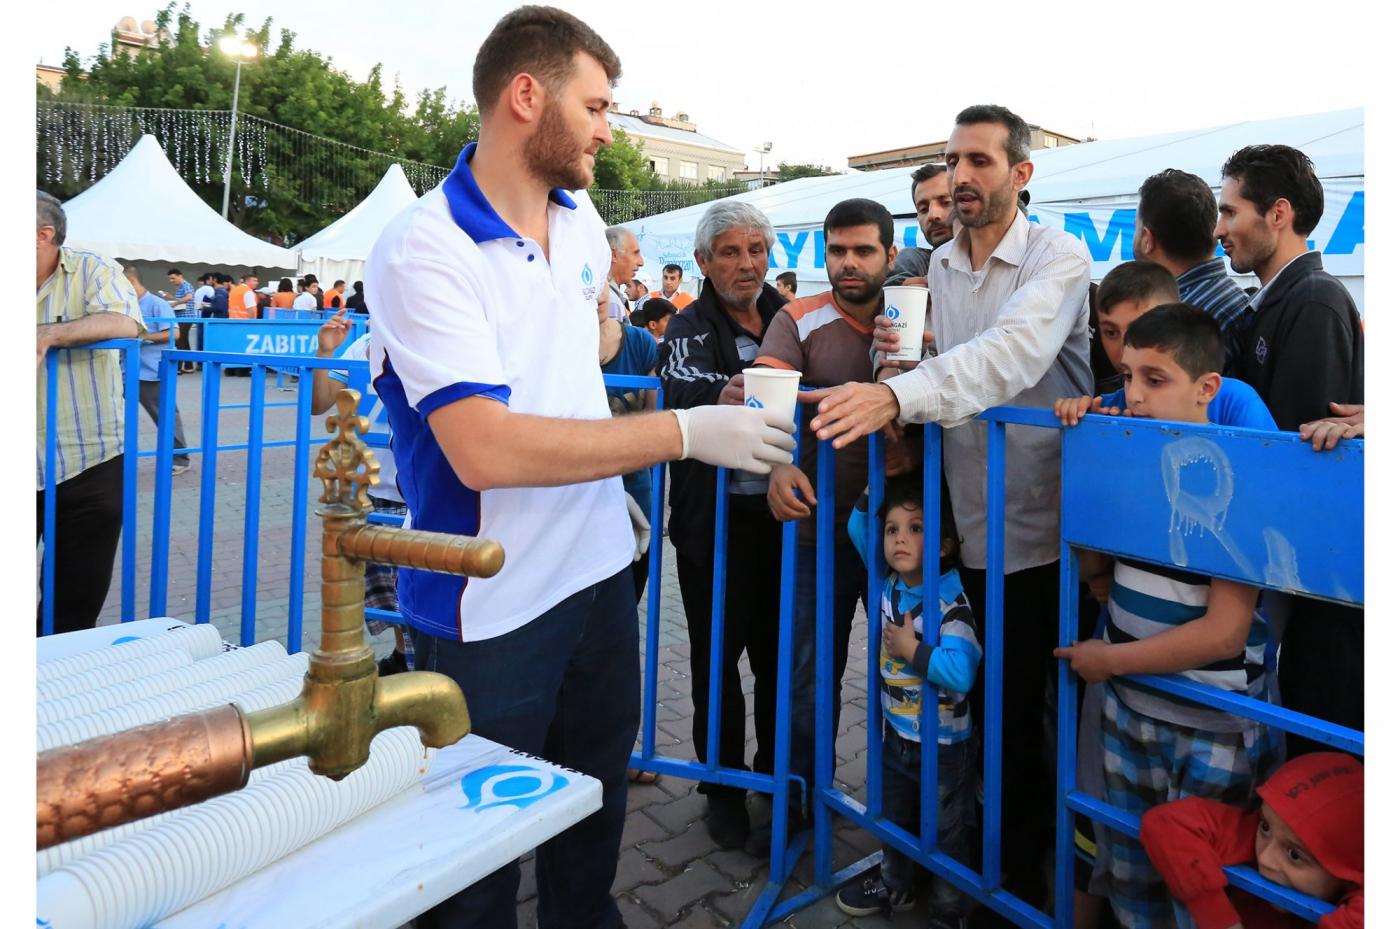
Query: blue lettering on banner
[[792, 248], [277, 337], [1120, 227], [820, 239], [508, 785], [909, 236], [1351, 228]]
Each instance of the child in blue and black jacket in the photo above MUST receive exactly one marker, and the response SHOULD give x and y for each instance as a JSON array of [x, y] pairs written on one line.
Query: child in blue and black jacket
[[913, 652]]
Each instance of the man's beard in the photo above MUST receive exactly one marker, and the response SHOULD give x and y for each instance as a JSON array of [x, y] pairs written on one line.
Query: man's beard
[[552, 156], [995, 206], [870, 287], [938, 234]]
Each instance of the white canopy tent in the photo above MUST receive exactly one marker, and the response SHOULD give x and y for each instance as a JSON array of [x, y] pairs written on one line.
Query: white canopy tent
[[143, 212], [338, 252], [1089, 189]]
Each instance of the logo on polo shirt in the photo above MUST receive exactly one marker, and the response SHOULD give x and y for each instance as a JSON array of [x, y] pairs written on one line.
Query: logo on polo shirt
[[509, 785], [587, 274], [1261, 351]]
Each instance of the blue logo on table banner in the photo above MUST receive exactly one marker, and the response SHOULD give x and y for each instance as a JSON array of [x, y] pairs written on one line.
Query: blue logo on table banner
[[122, 640], [587, 274], [892, 312], [509, 785], [753, 402]]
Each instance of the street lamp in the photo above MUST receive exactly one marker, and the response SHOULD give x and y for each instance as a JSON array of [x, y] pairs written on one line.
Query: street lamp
[[762, 150], [239, 51]]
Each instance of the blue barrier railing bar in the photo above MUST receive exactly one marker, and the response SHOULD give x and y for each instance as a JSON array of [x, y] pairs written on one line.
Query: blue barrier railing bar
[[929, 747], [299, 479], [50, 486], [874, 585], [160, 517], [993, 656], [252, 511], [213, 376], [132, 386], [828, 677], [1066, 725], [653, 617], [719, 584]]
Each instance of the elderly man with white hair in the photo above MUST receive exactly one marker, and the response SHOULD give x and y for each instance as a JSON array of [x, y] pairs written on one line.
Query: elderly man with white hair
[[626, 259], [708, 345]]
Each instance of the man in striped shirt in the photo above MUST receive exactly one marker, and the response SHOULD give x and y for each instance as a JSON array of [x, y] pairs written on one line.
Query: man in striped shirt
[[1176, 218], [81, 298]]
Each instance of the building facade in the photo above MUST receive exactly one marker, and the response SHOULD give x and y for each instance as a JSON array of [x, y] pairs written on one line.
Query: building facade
[[676, 149], [912, 156]]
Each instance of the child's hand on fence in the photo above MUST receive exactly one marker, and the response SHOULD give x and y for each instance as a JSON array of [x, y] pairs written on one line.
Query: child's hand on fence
[[332, 334], [900, 640], [1088, 659]]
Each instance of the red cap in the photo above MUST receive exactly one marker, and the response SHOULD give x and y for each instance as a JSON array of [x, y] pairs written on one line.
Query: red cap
[[1321, 796]]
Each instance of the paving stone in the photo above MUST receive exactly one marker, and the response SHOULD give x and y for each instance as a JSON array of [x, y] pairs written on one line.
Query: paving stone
[[637, 916], [677, 851], [639, 829], [671, 897], [679, 813], [634, 869]]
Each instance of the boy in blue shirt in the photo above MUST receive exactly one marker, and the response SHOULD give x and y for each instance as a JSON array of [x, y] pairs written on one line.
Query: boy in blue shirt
[[910, 654], [1169, 621]]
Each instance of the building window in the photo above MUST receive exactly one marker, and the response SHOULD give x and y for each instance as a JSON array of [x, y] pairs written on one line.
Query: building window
[[690, 171], [1051, 141], [661, 166], [714, 173]]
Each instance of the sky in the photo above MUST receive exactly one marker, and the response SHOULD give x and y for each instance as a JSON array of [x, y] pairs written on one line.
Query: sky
[[823, 81]]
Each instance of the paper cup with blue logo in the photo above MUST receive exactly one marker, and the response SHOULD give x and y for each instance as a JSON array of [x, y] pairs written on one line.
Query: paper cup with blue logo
[[772, 389], [905, 308]]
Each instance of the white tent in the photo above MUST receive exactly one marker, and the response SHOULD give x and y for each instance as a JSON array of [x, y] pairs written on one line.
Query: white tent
[[143, 211], [338, 252], [1090, 190]]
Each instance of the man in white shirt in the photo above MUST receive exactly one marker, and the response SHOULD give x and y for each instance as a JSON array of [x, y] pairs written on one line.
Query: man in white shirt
[[626, 259], [486, 295], [1010, 313], [305, 300]]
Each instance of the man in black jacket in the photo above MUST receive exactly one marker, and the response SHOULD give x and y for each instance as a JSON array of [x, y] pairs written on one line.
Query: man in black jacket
[[708, 345], [1303, 349]]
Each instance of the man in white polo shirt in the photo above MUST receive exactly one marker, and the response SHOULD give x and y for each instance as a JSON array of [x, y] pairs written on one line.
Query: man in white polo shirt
[[486, 296]]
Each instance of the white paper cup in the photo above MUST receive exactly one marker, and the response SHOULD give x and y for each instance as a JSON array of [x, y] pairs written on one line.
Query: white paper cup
[[772, 389], [904, 308]]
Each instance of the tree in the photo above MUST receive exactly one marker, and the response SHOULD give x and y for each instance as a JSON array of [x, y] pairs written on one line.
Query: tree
[[621, 165], [791, 172]]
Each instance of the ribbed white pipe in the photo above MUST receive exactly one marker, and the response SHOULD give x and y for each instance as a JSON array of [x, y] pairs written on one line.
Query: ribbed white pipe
[[201, 641], [56, 856], [199, 851], [201, 696], [106, 698], [107, 675]]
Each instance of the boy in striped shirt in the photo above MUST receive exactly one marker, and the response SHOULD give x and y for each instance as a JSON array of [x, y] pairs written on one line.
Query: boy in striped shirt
[[1169, 621]]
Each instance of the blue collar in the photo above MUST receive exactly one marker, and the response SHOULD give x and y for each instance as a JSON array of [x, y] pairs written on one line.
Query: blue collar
[[473, 212]]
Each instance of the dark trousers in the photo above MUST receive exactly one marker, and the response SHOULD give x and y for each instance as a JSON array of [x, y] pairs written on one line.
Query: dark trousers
[[564, 687], [754, 576], [150, 402], [87, 525], [1321, 666], [1030, 618]]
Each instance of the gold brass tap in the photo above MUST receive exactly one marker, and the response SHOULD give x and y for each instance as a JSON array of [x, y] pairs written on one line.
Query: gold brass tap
[[343, 704]]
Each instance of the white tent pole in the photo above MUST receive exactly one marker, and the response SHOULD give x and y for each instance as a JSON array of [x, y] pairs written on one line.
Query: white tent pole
[[232, 127]]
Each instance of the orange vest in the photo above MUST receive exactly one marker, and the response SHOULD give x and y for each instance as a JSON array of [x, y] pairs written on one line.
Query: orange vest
[[328, 296], [236, 295], [283, 301], [680, 301]]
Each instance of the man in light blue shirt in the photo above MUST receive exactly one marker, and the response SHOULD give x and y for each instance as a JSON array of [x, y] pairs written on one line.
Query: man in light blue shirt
[[155, 312]]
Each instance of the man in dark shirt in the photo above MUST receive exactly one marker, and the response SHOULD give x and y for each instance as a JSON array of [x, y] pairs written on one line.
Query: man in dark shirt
[[708, 345], [933, 207], [1176, 217], [1302, 350]]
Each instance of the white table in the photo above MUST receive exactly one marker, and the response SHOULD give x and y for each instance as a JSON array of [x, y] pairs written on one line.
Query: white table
[[480, 806]]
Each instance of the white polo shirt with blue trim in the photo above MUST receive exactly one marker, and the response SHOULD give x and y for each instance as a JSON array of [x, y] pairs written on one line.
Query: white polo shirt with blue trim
[[464, 307]]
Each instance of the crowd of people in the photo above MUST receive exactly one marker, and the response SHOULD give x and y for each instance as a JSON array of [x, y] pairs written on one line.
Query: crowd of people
[[487, 293]]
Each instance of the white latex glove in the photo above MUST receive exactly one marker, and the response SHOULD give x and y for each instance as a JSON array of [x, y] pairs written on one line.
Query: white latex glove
[[736, 437], [641, 528]]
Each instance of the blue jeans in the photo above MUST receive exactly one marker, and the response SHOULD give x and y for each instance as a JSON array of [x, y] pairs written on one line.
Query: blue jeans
[[566, 688], [956, 816], [848, 586]]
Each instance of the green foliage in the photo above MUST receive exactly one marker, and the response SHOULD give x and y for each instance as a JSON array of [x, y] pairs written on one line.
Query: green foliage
[[294, 87], [621, 165], [791, 172]]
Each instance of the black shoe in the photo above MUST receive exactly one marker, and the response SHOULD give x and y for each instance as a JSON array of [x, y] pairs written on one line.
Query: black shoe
[[395, 663], [727, 820], [869, 895]]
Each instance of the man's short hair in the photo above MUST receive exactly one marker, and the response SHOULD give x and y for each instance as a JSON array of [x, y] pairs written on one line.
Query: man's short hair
[[657, 309], [1188, 333], [1270, 173], [129, 270], [1180, 211], [789, 278], [674, 267], [224, 278], [540, 41], [339, 283], [925, 173], [249, 277], [309, 278], [859, 211], [724, 215], [1018, 134], [176, 271], [50, 213], [1139, 281], [617, 238]]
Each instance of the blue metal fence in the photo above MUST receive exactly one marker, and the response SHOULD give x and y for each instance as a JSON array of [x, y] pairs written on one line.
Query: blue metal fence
[[1120, 478]]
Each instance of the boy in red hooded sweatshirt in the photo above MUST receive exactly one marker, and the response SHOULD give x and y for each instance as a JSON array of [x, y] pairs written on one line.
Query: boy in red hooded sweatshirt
[[1308, 835]]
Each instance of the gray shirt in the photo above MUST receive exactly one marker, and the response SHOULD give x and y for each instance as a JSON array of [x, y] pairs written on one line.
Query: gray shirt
[[910, 262], [1014, 333]]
